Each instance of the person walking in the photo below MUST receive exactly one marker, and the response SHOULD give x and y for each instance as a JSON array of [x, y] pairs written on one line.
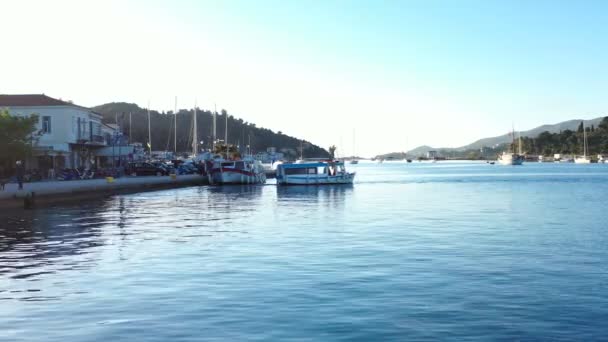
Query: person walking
[[20, 172]]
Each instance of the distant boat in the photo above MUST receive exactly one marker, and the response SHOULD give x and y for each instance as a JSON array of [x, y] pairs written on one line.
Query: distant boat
[[314, 172], [354, 161], [511, 158], [584, 159], [409, 160]]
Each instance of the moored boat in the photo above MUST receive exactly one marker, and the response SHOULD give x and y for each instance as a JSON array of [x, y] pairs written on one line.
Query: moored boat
[[510, 157], [314, 172], [245, 171]]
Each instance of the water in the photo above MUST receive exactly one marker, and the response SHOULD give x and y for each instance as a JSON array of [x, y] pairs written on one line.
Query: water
[[412, 251]]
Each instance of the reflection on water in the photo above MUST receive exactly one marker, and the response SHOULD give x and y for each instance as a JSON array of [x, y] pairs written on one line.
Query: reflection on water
[[414, 252]]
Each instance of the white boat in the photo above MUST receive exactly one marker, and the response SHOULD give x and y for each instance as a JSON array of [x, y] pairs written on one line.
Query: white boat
[[512, 158], [246, 171], [314, 172], [584, 159], [601, 159], [509, 158]]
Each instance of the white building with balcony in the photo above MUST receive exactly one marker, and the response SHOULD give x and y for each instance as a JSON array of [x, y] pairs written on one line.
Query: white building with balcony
[[67, 135]]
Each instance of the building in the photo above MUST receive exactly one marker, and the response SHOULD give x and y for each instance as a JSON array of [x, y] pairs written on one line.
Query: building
[[67, 135], [432, 154]]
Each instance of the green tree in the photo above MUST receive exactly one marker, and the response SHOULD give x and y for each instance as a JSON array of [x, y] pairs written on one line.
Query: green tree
[[604, 124], [580, 128], [16, 136]]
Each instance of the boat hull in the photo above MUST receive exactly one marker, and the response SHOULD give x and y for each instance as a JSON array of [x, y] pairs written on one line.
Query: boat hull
[[511, 159], [230, 176], [582, 161], [316, 180]]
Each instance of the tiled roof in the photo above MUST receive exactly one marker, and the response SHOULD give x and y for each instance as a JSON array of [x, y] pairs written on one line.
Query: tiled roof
[[28, 100]]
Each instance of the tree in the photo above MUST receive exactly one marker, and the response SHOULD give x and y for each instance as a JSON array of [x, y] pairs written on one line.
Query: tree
[[16, 136], [332, 151], [580, 128], [604, 124]]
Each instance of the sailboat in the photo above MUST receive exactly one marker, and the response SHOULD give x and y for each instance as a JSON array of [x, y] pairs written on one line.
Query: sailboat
[[511, 158], [584, 159]]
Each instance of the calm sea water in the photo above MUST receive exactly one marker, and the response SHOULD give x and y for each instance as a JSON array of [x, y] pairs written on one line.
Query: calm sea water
[[451, 251]]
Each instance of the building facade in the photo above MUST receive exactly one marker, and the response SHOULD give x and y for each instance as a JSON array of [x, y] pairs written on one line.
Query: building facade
[[67, 135]]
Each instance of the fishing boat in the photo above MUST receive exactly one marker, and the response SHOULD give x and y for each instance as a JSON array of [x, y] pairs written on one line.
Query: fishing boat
[[244, 171], [314, 172], [229, 168], [584, 159], [510, 157]]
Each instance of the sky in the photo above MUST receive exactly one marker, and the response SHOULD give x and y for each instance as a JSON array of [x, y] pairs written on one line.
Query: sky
[[388, 75]]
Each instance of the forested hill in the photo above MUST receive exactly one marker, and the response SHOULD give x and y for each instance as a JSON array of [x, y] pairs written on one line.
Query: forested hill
[[239, 131]]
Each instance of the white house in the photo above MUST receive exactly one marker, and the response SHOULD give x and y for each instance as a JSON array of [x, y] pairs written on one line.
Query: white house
[[67, 135]]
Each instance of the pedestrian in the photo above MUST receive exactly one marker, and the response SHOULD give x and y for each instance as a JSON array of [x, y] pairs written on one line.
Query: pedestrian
[[20, 172]]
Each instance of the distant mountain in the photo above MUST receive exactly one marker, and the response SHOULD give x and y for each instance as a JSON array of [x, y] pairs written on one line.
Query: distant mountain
[[506, 138], [162, 130], [533, 133]]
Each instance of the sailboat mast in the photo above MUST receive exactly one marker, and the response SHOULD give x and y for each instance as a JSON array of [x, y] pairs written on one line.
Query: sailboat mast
[[584, 141], [175, 128], [301, 149], [194, 133], [226, 136], [519, 149], [149, 131], [214, 126]]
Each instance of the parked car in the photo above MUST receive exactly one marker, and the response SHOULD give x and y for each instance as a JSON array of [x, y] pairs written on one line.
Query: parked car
[[145, 169]]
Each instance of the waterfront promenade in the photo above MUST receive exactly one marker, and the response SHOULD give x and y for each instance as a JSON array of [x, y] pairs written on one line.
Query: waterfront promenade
[[94, 187]]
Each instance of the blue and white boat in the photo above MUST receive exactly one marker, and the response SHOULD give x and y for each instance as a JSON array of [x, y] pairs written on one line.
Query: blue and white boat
[[314, 172]]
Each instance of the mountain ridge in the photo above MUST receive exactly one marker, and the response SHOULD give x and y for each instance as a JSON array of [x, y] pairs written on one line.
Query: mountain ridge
[[506, 138]]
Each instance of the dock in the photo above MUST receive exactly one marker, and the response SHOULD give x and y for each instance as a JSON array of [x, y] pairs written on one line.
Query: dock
[[52, 191]]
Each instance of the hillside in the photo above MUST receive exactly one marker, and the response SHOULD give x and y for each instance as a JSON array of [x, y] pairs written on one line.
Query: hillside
[[162, 130], [498, 141]]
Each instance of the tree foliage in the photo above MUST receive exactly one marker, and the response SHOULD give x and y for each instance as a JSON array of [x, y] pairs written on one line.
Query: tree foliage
[[240, 133], [16, 136], [569, 142]]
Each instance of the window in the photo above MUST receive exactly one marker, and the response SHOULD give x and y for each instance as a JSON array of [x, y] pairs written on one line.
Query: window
[[46, 124]]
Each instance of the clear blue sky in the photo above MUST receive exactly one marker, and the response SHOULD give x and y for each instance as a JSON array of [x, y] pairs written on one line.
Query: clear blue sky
[[442, 73]]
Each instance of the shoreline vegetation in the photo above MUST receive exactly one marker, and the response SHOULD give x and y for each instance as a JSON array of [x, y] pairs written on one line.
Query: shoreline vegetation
[[567, 142]]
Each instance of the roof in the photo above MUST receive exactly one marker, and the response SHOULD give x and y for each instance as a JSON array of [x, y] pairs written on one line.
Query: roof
[[307, 165], [31, 100]]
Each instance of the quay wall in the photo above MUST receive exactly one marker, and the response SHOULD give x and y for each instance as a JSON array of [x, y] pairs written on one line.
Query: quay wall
[[91, 188]]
